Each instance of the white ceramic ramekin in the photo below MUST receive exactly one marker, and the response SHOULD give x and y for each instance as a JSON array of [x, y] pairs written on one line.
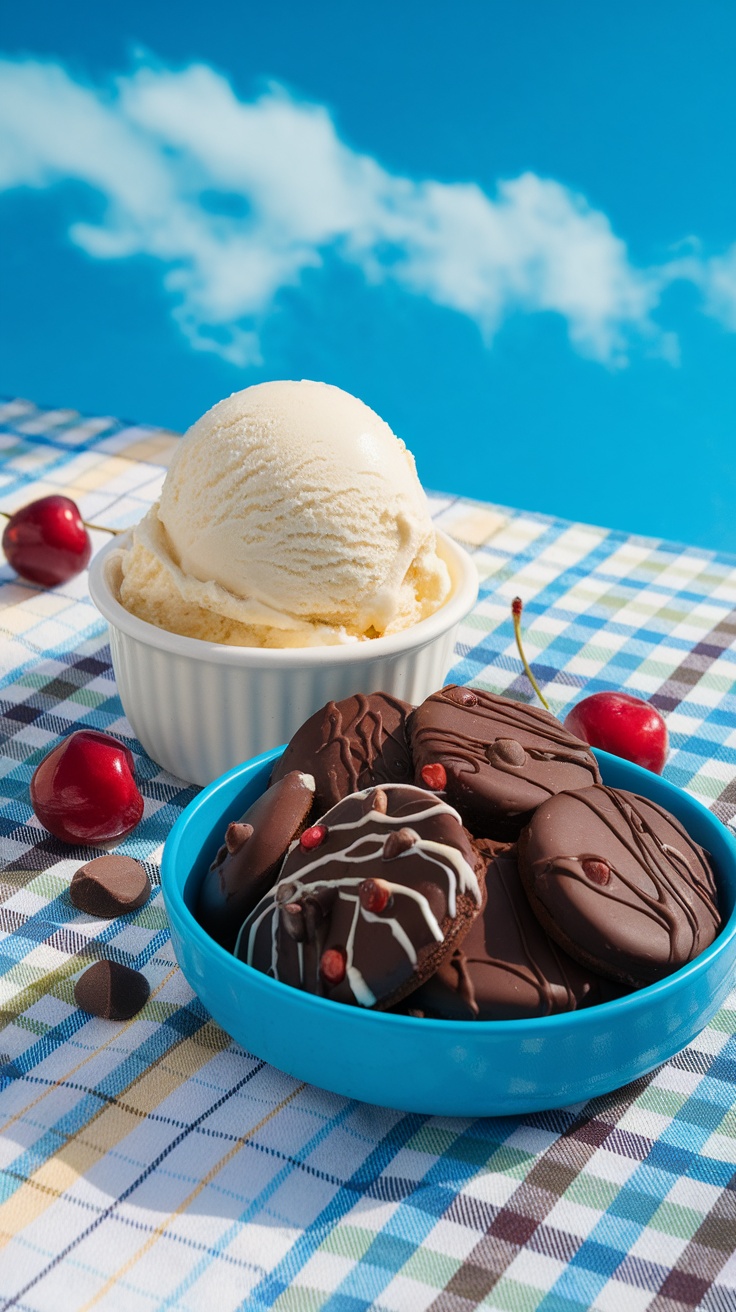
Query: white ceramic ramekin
[[200, 708]]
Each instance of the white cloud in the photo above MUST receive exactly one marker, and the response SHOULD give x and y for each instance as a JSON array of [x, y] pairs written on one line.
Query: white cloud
[[719, 283], [237, 199]]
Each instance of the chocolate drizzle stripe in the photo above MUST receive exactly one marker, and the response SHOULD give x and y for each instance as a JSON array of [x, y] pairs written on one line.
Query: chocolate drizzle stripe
[[524, 973], [368, 733], [667, 885], [399, 933], [530, 973], [542, 985], [505, 711], [459, 964], [660, 852], [656, 911], [445, 743], [435, 806], [710, 891], [465, 875], [570, 758], [301, 888], [652, 857], [361, 992], [571, 999], [473, 751], [397, 890], [318, 903]]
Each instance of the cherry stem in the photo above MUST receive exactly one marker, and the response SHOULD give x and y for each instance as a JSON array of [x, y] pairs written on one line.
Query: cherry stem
[[103, 528], [517, 606], [99, 528]]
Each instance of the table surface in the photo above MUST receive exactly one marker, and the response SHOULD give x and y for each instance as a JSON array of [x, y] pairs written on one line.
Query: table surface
[[154, 1164]]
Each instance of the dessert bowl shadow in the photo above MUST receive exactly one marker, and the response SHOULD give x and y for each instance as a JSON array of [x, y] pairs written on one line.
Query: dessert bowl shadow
[[437, 1067], [200, 707]]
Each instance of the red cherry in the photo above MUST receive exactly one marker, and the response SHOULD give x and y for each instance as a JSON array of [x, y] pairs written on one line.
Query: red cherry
[[623, 725], [46, 541], [313, 837], [434, 776], [333, 966], [84, 791]]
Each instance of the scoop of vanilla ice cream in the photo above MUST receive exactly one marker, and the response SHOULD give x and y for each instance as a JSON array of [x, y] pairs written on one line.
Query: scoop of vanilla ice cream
[[290, 515]]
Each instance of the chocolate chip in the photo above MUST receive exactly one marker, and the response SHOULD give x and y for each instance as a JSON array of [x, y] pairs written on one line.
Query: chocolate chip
[[111, 990], [507, 751], [286, 893], [236, 836], [399, 841], [110, 886], [462, 697]]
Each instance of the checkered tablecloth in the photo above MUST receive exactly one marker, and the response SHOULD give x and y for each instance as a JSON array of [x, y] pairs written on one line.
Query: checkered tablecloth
[[155, 1165]]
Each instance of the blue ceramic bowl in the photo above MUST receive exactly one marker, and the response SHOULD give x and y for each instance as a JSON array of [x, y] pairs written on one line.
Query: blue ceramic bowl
[[446, 1068]]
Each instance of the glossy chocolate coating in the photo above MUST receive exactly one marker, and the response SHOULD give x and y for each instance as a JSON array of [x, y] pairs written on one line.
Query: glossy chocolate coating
[[350, 745], [618, 883], [111, 990], [111, 885], [506, 967], [502, 758], [387, 891], [249, 860]]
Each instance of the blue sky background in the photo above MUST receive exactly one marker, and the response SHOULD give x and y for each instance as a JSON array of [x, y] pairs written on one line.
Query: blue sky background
[[509, 228]]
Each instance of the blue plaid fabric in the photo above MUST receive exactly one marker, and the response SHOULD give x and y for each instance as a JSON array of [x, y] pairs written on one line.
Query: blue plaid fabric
[[153, 1164]]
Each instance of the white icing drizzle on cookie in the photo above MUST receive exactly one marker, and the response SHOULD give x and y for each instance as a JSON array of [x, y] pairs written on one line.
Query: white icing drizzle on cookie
[[361, 992], [364, 849]]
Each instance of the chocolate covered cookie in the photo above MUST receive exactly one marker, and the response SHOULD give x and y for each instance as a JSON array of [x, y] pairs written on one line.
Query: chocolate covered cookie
[[495, 759], [249, 860], [350, 745], [618, 883], [370, 900], [506, 967]]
